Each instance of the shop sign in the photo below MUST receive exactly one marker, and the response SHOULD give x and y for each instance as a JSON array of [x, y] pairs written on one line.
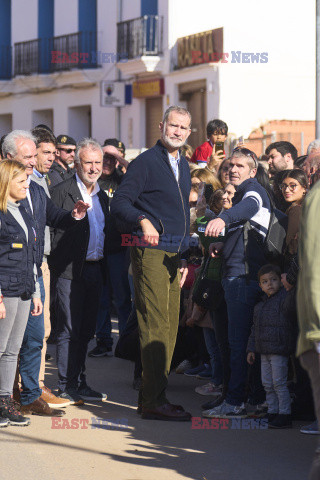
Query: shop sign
[[148, 88], [204, 47]]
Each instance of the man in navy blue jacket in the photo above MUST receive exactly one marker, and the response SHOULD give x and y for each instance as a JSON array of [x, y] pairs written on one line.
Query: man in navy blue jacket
[[240, 267], [153, 200]]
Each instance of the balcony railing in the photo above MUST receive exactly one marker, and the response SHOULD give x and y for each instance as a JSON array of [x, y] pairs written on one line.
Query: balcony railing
[[47, 55], [140, 36], [77, 50], [5, 62], [26, 57]]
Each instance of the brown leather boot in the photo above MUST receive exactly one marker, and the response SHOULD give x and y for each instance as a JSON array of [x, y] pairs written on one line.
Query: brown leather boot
[[40, 407], [52, 400]]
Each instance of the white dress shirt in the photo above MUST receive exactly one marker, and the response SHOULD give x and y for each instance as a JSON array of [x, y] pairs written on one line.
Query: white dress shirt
[[28, 194], [96, 221], [175, 164]]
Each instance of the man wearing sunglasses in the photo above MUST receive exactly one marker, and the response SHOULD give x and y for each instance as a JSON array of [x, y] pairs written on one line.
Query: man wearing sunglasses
[[62, 167], [242, 259]]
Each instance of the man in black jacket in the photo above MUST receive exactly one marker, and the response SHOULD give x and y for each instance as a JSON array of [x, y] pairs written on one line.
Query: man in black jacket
[[62, 167], [20, 145], [154, 198], [76, 260]]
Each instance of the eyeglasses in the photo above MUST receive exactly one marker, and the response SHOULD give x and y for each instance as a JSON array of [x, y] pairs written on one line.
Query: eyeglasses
[[67, 150], [247, 153], [291, 186]]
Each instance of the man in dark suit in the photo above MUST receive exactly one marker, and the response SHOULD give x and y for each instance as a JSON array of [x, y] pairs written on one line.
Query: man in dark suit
[[76, 261]]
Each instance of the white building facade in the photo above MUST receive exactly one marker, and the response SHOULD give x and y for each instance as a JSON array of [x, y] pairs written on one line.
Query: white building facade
[[63, 61]]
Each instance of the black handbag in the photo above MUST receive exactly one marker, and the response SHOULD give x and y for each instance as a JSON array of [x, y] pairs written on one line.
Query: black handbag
[[208, 293]]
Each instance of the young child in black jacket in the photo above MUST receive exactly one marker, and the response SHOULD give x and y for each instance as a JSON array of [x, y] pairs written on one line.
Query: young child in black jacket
[[273, 336]]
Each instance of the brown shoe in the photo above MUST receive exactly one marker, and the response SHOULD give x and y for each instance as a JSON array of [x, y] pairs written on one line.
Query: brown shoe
[[40, 407], [52, 400], [167, 412]]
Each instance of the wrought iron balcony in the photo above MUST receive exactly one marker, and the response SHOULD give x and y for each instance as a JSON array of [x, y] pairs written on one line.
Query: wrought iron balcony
[[5, 62], [77, 50], [140, 36], [66, 52], [26, 57]]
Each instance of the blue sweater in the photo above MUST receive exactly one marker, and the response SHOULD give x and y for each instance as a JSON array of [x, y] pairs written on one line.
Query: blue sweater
[[150, 188], [251, 202]]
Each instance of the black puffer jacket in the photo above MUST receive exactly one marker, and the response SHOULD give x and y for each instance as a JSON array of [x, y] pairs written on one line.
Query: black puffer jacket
[[274, 325]]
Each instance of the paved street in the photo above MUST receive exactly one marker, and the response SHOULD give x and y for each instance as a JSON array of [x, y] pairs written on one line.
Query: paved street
[[138, 449]]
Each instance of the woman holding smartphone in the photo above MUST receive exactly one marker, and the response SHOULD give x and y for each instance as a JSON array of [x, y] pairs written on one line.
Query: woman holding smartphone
[[18, 281]]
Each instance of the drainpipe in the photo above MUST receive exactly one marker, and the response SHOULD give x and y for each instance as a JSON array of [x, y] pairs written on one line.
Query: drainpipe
[[120, 10]]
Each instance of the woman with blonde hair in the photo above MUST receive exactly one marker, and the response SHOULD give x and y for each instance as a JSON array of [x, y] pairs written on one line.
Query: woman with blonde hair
[[18, 281], [223, 172], [203, 175]]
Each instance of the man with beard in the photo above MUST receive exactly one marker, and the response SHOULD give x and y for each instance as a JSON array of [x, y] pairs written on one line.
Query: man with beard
[[281, 156], [153, 198]]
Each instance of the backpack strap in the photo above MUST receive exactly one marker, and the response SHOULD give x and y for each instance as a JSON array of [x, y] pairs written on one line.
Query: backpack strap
[[246, 228]]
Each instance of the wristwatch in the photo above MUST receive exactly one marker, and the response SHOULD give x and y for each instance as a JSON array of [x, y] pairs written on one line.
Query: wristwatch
[[140, 218]]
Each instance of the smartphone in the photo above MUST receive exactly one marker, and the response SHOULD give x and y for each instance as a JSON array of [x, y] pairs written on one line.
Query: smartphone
[[219, 147], [201, 191], [208, 191]]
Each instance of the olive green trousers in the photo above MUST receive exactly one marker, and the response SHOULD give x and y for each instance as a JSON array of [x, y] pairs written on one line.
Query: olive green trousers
[[156, 278]]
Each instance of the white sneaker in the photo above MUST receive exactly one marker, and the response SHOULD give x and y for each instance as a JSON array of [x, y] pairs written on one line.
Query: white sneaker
[[225, 410], [209, 389], [183, 366], [311, 429]]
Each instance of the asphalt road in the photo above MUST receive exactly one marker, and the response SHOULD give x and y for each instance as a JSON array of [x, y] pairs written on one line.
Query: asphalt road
[[110, 441]]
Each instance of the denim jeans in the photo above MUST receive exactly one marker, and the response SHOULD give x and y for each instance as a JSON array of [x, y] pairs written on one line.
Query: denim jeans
[[241, 297], [219, 319], [117, 283], [11, 334], [274, 373], [214, 353], [30, 354]]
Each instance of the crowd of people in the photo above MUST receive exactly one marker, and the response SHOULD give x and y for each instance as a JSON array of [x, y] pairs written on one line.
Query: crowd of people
[[220, 280]]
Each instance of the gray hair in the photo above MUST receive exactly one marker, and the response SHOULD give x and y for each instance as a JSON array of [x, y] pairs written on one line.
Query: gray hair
[[178, 109], [252, 160], [10, 142], [315, 145], [88, 143]]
